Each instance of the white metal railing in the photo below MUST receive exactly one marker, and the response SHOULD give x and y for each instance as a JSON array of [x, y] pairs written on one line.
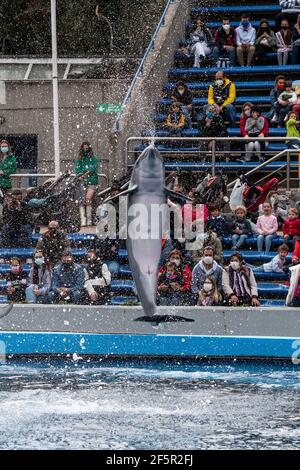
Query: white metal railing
[[211, 156], [48, 175]]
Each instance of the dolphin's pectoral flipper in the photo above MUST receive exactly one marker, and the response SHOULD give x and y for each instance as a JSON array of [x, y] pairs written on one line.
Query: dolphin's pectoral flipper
[[171, 193], [123, 193], [164, 319]]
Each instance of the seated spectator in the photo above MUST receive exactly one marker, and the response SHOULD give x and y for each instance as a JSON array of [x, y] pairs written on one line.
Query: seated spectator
[[39, 280], [267, 227], [212, 240], [216, 223], [296, 42], [277, 265], [284, 43], [16, 282], [53, 243], [206, 267], [240, 282], [222, 94], [255, 127], [241, 228], [291, 227], [184, 96], [202, 42], [170, 281], [97, 280], [183, 292], [280, 205], [292, 130], [212, 125], [265, 41], [279, 110], [175, 120], [225, 43], [288, 94], [209, 295], [245, 40], [16, 229], [290, 11], [194, 215], [296, 253], [296, 106], [245, 114], [67, 282], [8, 165]]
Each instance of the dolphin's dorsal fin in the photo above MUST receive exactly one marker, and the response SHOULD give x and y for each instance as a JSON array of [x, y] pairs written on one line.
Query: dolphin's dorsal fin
[[171, 193], [123, 193]]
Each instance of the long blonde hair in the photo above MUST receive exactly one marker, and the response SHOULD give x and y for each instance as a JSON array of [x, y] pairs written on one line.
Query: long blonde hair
[[214, 294]]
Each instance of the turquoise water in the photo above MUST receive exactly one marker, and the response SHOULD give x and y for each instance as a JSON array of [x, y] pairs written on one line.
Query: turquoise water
[[85, 405]]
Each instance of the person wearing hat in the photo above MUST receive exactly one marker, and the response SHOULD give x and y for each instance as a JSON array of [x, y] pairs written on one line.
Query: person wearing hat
[[254, 127], [8, 165]]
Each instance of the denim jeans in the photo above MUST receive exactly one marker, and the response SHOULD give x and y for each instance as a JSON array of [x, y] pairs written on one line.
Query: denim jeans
[[238, 240], [187, 114], [74, 297], [268, 241], [230, 54], [31, 298], [230, 114]]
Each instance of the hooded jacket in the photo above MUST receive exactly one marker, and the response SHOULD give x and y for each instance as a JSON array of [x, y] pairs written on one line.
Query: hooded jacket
[[245, 36]]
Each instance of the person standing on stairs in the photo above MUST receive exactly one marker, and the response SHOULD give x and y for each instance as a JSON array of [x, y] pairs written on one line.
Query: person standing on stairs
[[245, 41], [86, 163]]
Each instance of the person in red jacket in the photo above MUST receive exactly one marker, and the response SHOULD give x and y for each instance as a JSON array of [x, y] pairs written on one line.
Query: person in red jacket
[[183, 290], [291, 227], [296, 253]]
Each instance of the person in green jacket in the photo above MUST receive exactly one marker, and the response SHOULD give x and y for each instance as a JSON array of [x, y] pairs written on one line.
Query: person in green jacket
[[87, 163], [8, 165], [292, 130]]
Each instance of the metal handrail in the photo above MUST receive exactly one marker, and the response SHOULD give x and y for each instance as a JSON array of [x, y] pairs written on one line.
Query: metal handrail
[[287, 152], [140, 69]]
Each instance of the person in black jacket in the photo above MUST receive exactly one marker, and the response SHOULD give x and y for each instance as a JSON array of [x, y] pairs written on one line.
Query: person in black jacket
[[16, 282], [225, 42], [184, 96], [241, 227], [16, 229], [212, 125], [216, 223]]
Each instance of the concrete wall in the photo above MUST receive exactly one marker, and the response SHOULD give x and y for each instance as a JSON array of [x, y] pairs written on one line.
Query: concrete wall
[[28, 110]]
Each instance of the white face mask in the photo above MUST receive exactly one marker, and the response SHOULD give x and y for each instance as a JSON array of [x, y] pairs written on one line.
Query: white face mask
[[175, 261], [208, 260], [235, 265], [180, 91], [207, 287], [226, 27]]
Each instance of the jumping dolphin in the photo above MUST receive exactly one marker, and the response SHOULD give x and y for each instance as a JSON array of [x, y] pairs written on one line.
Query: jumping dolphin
[[146, 188]]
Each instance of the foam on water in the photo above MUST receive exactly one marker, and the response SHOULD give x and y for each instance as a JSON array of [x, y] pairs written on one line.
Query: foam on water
[[85, 405]]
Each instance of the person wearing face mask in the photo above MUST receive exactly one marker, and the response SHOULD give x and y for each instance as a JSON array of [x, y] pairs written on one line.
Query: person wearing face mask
[[67, 281], [245, 40], [8, 165], [86, 163], [265, 41], [222, 93], [16, 282], [53, 243], [284, 42], [290, 11], [184, 96], [207, 267], [209, 296], [240, 283], [97, 280], [202, 42], [296, 42], [39, 280], [183, 292], [279, 110], [225, 43]]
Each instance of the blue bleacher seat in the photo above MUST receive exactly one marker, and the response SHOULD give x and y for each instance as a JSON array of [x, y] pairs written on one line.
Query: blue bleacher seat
[[123, 300], [29, 252], [194, 72], [239, 100], [200, 86], [181, 57], [230, 10], [275, 132]]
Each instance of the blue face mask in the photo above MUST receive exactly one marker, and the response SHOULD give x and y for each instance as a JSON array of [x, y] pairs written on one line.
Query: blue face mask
[[4, 149], [245, 24]]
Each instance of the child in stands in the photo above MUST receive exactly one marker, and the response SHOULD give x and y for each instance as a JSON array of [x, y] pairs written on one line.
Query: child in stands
[[175, 120], [277, 265], [288, 94], [254, 127], [267, 227], [168, 283], [216, 223], [292, 130], [291, 227], [209, 294], [241, 228]]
